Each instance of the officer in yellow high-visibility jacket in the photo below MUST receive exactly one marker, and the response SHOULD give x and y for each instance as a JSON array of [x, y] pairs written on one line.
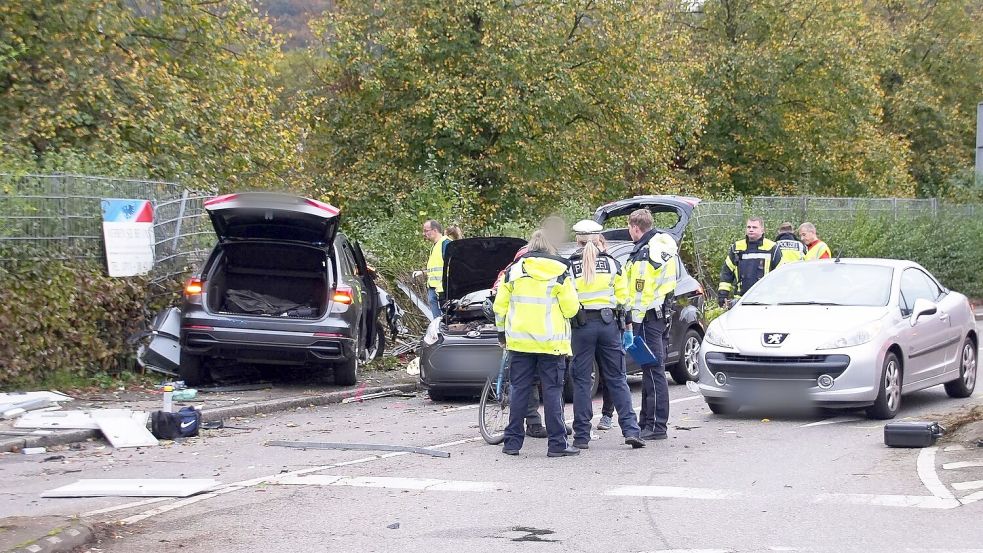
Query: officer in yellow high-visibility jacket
[[792, 249], [532, 311], [597, 334], [816, 248], [747, 262], [652, 274], [434, 232]]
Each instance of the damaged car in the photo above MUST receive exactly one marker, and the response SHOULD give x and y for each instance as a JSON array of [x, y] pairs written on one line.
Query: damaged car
[[460, 349], [282, 287]]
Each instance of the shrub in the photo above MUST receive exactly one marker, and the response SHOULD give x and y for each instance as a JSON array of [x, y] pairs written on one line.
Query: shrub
[[62, 318]]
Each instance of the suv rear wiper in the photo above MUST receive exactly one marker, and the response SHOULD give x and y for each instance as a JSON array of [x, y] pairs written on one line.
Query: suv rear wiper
[[807, 303]]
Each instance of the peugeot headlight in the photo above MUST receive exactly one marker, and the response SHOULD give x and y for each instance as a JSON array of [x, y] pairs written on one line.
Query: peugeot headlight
[[860, 335], [716, 336], [433, 332]]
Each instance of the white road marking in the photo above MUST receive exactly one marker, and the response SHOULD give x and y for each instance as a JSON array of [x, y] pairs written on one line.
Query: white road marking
[[461, 408], [973, 485], [691, 551], [140, 503], [687, 398], [926, 472], [972, 498], [421, 484], [962, 465], [834, 420], [919, 501], [673, 492], [272, 478], [956, 448]]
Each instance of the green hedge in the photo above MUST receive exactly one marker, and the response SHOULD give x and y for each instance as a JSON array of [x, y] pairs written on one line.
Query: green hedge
[[949, 245], [58, 318]]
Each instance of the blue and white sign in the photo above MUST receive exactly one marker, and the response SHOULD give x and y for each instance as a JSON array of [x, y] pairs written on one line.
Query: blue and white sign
[[128, 227]]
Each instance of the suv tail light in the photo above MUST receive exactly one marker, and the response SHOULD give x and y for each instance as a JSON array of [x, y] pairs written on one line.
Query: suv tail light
[[193, 287], [343, 294]]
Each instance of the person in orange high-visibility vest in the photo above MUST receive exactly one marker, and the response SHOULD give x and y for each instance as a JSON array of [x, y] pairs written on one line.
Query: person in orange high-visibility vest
[[817, 249]]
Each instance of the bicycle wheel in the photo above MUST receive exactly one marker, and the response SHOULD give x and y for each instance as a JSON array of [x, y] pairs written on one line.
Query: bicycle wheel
[[493, 411]]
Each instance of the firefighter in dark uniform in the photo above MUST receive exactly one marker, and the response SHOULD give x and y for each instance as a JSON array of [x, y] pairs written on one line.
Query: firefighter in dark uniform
[[597, 333], [748, 260]]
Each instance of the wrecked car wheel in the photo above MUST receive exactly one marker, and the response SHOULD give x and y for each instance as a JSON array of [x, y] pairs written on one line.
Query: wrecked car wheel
[[192, 370], [345, 373]]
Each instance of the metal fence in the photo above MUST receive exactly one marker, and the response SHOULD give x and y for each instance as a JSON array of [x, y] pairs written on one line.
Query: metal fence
[[59, 217], [716, 224]]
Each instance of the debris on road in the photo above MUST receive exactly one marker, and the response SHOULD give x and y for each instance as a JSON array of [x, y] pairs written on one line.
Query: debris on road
[[163, 353], [145, 487], [122, 427], [33, 450], [359, 398], [361, 447], [911, 433], [393, 526]]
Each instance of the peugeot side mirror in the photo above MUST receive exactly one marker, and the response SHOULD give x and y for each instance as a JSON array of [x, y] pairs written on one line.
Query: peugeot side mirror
[[922, 307]]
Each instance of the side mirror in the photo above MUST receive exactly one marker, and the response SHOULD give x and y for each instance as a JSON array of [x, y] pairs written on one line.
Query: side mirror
[[922, 307]]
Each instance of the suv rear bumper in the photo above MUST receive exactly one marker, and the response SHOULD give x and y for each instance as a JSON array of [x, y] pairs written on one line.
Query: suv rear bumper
[[266, 346]]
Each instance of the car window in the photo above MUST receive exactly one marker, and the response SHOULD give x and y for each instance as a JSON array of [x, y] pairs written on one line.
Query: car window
[[825, 283], [346, 258], [916, 284]]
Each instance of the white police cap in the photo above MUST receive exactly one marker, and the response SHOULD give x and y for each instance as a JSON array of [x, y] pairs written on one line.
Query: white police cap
[[587, 226]]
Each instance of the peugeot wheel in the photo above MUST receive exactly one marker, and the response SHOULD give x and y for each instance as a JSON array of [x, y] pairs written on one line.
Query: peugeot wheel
[[888, 401], [966, 383]]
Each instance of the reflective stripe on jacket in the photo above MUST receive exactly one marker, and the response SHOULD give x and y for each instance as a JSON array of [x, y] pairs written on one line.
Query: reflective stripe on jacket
[[435, 265], [818, 250], [651, 276], [608, 287], [534, 305], [792, 250], [746, 263]]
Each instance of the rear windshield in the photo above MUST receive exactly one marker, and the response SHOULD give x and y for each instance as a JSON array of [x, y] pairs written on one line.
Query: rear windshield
[[825, 284]]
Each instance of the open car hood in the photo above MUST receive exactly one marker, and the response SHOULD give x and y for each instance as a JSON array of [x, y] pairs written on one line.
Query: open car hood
[[682, 206], [471, 264], [271, 216]]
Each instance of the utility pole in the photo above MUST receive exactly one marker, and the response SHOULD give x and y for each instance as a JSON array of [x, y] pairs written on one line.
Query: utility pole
[[979, 144]]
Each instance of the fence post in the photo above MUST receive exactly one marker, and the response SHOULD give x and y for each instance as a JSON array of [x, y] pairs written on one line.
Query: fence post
[[739, 202], [935, 207], [805, 209], [894, 204], [180, 218]]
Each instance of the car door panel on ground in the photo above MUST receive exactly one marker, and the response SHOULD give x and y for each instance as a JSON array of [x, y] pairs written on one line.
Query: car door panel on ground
[[930, 339]]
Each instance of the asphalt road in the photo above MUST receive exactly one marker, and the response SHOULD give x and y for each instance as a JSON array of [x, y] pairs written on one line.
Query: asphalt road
[[751, 482]]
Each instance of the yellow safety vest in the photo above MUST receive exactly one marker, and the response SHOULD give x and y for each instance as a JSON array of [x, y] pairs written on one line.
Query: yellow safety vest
[[793, 251], [651, 278], [435, 265], [608, 288], [817, 250], [534, 305]]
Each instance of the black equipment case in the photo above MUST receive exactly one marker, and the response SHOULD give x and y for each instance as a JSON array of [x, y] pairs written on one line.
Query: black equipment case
[[911, 434]]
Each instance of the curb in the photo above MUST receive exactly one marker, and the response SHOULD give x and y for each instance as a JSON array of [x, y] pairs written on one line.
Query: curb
[[59, 540], [215, 414]]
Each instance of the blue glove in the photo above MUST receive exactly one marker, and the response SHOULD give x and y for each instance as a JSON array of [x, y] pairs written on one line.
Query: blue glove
[[627, 338]]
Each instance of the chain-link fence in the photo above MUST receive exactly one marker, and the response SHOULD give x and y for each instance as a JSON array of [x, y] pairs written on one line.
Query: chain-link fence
[[59, 217], [717, 224]]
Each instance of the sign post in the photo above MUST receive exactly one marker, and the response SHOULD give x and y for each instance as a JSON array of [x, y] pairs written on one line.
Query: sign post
[[128, 228]]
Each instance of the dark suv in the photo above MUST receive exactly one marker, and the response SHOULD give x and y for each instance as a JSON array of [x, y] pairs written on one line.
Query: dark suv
[[281, 287]]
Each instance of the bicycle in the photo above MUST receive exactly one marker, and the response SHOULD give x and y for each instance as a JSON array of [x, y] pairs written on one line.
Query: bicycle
[[493, 410]]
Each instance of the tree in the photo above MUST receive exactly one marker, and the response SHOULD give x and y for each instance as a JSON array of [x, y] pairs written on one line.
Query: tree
[[932, 79], [514, 103], [177, 87], [794, 101]]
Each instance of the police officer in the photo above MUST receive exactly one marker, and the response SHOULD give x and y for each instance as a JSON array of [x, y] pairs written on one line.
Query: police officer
[[748, 260], [792, 250], [434, 232], [651, 280], [596, 332], [532, 312]]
